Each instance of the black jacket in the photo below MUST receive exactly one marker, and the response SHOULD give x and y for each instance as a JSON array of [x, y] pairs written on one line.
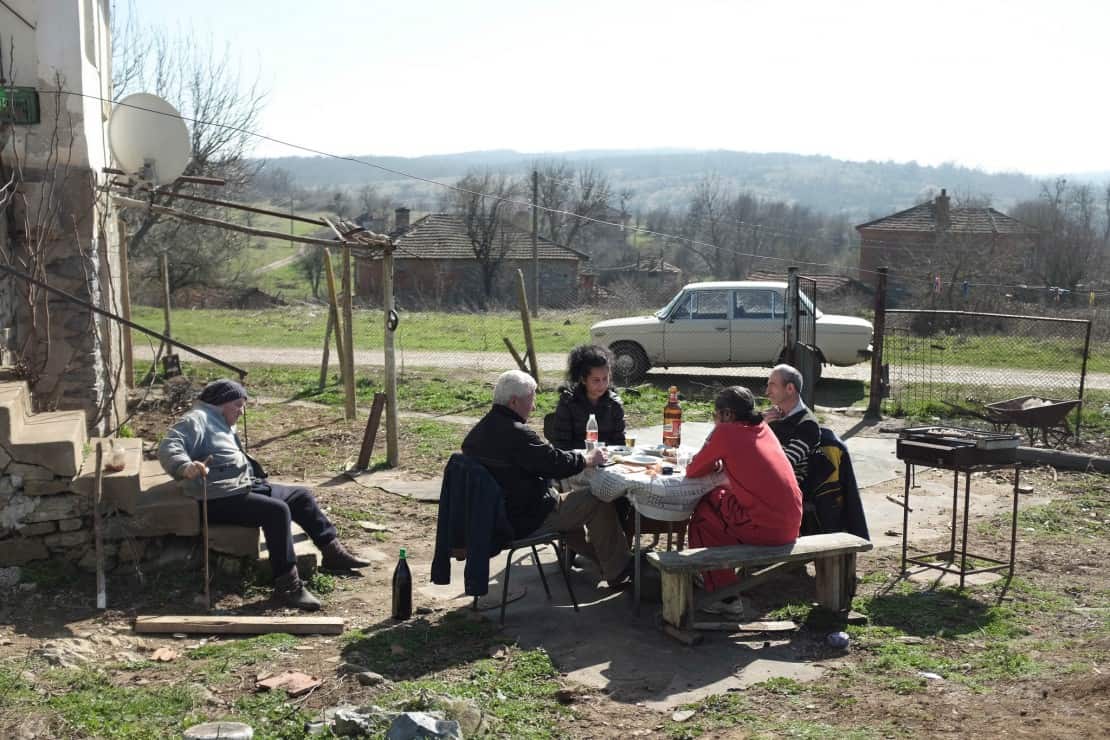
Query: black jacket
[[832, 501], [568, 430], [471, 517], [523, 465]]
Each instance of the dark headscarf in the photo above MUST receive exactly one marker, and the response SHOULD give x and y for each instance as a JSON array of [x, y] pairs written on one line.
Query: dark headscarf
[[221, 391]]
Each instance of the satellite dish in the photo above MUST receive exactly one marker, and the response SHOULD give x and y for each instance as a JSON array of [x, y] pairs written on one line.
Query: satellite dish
[[148, 138]]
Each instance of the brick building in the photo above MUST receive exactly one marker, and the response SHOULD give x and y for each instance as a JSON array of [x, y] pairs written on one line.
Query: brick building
[[957, 244], [434, 266]]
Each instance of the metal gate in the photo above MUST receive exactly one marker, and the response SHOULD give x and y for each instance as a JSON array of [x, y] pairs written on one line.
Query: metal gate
[[800, 331]]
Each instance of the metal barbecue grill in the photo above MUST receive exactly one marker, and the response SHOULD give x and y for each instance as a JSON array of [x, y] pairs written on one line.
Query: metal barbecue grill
[[962, 451]]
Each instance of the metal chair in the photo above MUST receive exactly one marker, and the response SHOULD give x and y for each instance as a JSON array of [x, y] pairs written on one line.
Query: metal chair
[[532, 541], [555, 539]]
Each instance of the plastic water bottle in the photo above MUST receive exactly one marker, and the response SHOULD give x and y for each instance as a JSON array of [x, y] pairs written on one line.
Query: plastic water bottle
[[402, 589], [591, 433]]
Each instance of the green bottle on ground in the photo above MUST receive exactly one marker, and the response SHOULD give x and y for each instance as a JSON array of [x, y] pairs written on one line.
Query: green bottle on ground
[[402, 589]]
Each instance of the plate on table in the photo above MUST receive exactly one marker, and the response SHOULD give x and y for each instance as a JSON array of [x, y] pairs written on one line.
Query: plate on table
[[618, 449], [639, 459]]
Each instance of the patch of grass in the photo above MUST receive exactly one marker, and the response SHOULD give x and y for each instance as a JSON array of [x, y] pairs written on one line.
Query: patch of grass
[[1080, 508], [411, 649], [781, 685], [91, 703], [304, 326], [321, 583], [247, 650]]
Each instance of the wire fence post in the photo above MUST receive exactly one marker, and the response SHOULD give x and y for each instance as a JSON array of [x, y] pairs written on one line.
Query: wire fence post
[[1083, 379], [875, 401]]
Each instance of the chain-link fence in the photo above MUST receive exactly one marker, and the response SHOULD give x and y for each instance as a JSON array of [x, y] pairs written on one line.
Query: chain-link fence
[[959, 361]]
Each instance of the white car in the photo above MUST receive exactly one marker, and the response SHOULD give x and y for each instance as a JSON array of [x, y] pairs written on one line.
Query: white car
[[723, 324]]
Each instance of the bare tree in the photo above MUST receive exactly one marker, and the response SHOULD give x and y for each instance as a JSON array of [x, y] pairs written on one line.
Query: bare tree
[[1071, 245], [567, 195], [483, 202], [221, 109]]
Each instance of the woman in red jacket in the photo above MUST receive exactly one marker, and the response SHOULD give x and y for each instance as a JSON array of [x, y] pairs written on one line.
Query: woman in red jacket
[[762, 504]]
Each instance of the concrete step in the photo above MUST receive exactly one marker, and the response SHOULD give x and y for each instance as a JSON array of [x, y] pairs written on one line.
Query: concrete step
[[53, 440], [159, 508], [15, 407], [122, 489]]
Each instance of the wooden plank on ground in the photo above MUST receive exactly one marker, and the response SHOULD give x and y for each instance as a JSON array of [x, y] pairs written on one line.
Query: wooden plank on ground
[[371, 432], [770, 626], [240, 625]]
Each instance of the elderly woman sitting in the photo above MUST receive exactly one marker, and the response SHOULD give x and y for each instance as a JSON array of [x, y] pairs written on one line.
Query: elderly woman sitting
[[204, 444], [760, 505]]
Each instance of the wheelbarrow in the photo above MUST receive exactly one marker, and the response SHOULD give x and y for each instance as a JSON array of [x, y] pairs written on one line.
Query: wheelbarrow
[[1033, 413]]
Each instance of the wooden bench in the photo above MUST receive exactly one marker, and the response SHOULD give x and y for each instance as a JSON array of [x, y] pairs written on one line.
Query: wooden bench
[[834, 556]]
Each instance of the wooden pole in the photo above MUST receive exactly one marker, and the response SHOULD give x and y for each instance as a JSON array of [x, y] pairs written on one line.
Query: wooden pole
[[327, 352], [98, 530], [204, 524], [334, 303], [348, 335], [166, 295], [535, 245], [125, 304], [529, 347], [371, 432], [875, 400], [392, 453]]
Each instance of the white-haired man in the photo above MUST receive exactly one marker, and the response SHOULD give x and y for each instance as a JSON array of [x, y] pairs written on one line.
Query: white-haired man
[[524, 466], [790, 419]]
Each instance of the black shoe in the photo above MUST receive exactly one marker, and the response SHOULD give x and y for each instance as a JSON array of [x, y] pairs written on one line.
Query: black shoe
[[337, 557], [624, 578], [290, 591]]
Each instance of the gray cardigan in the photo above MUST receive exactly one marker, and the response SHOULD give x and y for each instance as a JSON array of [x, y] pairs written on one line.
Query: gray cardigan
[[202, 433]]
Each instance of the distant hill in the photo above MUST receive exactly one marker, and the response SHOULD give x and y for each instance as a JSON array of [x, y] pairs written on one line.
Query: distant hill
[[666, 177]]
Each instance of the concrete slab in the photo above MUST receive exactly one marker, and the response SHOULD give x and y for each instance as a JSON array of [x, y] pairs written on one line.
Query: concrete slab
[[400, 483], [606, 646], [121, 488]]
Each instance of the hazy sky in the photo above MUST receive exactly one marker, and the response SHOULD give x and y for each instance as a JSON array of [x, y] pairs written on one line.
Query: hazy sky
[[1015, 85]]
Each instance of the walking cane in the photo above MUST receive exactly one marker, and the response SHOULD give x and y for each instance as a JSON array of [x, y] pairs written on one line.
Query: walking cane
[[204, 527]]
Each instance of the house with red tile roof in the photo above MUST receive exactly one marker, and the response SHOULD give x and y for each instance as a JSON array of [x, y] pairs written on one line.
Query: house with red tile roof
[[974, 244]]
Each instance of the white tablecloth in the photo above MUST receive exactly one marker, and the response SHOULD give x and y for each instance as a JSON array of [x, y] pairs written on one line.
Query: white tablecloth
[[666, 497]]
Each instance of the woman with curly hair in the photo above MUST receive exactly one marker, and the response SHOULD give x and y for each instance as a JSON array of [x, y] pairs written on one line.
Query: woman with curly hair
[[761, 504], [586, 391]]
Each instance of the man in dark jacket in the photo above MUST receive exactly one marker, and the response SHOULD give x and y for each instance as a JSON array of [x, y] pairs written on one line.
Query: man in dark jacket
[[524, 465]]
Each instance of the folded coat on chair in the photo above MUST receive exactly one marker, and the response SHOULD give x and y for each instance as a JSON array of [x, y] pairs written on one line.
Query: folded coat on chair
[[472, 517]]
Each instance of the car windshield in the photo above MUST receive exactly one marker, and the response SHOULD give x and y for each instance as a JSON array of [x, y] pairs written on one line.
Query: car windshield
[[665, 311]]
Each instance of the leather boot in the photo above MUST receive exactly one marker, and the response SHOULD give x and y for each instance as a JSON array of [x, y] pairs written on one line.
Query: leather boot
[[337, 557], [290, 591]]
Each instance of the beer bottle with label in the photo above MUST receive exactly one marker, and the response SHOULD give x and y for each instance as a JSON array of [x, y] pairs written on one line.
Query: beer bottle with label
[[402, 589], [672, 420]]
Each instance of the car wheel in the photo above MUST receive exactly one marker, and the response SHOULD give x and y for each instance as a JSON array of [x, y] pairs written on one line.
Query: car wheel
[[630, 364]]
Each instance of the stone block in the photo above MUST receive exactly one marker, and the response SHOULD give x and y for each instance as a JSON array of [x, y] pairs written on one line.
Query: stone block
[[15, 510], [8, 484], [167, 513], [20, 550], [30, 471], [87, 562], [60, 540], [53, 508], [232, 540], [120, 489], [34, 530], [52, 440], [35, 487], [69, 525]]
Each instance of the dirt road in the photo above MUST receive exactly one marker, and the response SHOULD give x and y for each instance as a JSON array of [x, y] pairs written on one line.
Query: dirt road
[[555, 362]]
